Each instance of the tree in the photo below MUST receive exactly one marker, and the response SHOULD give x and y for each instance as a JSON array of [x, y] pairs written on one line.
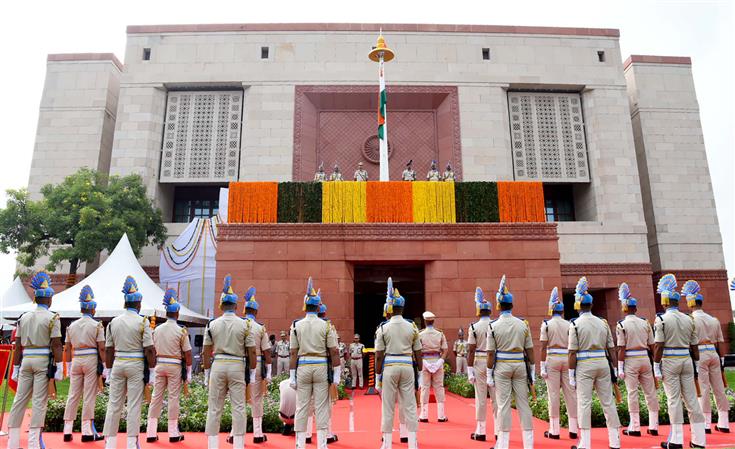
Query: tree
[[76, 219]]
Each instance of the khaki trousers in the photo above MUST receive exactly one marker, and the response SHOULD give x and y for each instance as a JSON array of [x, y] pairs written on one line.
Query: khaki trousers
[[638, 371], [282, 365], [432, 380], [257, 391], [356, 372], [226, 377], [510, 381], [595, 375], [82, 384], [398, 387], [678, 376], [126, 381], [311, 384], [168, 377], [710, 378], [461, 365], [557, 382], [481, 390], [32, 386]]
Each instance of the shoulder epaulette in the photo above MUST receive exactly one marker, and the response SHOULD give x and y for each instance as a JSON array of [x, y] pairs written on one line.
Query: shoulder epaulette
[[260, 323], [572, 321], [604, 320], [620, 322], [546, 322], [640, 317]]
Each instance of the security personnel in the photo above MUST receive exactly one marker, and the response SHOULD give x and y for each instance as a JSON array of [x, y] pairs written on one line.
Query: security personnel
[[635, 343], [331, 436], [228, 339], [402, 429], [711, 363], [590, 346], [282, 351], [555, 367], [397, 349], [37, 339], [356, 355], [675, 338], [172, 350], [85, 339], [509, 356], [434, 351], [312, 342], [343, 354], [477, 371], [129, 340], [263, 363], [460, 352], [286, 406]]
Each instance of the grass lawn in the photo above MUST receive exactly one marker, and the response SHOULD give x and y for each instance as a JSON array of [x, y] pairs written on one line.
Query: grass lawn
[[730, 375], [62, 391]]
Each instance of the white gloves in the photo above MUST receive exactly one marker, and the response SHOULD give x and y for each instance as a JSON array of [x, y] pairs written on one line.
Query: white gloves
[[292, 378], [337, 377], [657, 370], [573, 378], [440, 363], [421, 378], [696, 368], [268, 373], [206, 377], [471, 374], [722, 363], [59, 374], [621, 370], [544, 373], [252, 376], [188, 374], [106, 373], [379, 383], [533, 375], [152, 375], [490, 379], [16, 371]]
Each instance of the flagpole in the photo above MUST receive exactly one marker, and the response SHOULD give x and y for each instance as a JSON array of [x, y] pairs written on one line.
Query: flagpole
[[382, 54]]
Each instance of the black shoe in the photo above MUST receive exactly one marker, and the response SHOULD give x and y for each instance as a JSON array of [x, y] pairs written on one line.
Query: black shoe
[[92, 438], [550, 435], [68, 437], [287, 430], [572, 436], [707, 431], [332, 439], [308, 440], [230, 440], [496, 437], [653, 432], [177, 439], [445, 419], [722, 429], [632, 433], [694, 445], [477, 437], [667, 445], [574, 447], [258, 440], [151, 439], [404, 439], [423, 420]]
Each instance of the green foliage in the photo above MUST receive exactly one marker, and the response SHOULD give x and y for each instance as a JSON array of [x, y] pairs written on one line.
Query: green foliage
[[731, 335], [459, 385], [300, 202], [476, 202], [76, 219]]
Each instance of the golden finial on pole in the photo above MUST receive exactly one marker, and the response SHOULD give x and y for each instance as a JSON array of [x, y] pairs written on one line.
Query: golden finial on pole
[[382, 54], [380, 47]]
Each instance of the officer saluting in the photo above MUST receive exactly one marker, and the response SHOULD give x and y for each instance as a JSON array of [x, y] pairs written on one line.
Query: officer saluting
[[85, 339], [128, 342], [312, 342], [590, 345], [477, 370], [229, 339], [435, 348], [262, 367], [509, 350], [675, 346], [555, 367], [635, 342], [173, 350], [37, 341], [397, 348]]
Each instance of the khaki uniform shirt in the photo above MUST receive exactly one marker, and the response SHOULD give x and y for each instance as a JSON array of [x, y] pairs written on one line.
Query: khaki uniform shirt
[[397, 336], [312, 336], [361, 175], [675, 329], [85, 332], [260, 336], [37, 327], [229, 334], [282, 348], [509, 334], [129, 332], [433, 340], [408, 175], [555, 331], [460, 347], [171, 340], [356, 350], [477, 333], [634, 332], [589, 332], [708, 328]]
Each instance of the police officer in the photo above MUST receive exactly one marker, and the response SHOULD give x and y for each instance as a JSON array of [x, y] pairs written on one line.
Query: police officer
[[312, 342], [397, 349], [460, 352], [635, 343], [331, 436], [477, 370], [711, 361], [434, 351], [129, 340], [228, 339], [85, 339], [402, 429], [37, 340], [590, 346], [282, 351], [509, 356], [356, 354], [263, 358], [675, 338], [555, 367], [172, 350]]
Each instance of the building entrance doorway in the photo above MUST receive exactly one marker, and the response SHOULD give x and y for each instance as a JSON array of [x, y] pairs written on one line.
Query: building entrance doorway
[[370, 291]]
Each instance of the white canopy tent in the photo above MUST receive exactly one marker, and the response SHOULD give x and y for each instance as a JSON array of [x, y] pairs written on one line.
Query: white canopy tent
[[16, 294], [106, 282]]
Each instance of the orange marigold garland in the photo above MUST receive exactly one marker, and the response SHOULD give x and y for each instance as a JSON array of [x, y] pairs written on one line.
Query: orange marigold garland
[[521, 201], [253, 202], [389, 202]]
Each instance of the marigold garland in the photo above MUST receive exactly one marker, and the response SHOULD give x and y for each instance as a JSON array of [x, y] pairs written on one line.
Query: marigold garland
[[433, 202], [344, 202], [521, 202], [253, 202], [389, 202]]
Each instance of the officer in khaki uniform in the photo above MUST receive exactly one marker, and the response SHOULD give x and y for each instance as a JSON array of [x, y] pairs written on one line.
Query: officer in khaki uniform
[[282, 352], [635, 343], [331, 436], [675, 338], [590, 346], [477, 370], [397, 349], [356, 355], [228, 340], [85, 340], [128, 341], [434, 351], [555, 367], [711, 361], [263, 363], [509, 349], [460, 353], [402, 429], [173, 349], [37, 339], [312, 342]]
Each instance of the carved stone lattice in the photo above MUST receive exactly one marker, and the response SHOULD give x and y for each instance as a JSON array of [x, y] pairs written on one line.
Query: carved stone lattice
[[202, 136], [547, 137], [371, 149]]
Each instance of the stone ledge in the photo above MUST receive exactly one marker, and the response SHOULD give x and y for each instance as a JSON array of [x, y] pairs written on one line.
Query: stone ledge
[[584, 269], [652, 59], [66, 57]]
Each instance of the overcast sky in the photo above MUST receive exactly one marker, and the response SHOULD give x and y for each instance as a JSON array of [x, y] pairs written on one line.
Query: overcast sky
[[700, 29]]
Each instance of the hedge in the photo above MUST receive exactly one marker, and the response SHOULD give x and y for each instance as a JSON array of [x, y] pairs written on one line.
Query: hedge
[[300, 202], [476, 202]]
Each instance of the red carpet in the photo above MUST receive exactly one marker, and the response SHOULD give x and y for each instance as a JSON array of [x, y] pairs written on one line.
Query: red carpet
[[366, 435]]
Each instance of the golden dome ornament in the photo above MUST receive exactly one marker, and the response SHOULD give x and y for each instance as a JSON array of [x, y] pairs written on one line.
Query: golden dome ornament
[[381, 49]]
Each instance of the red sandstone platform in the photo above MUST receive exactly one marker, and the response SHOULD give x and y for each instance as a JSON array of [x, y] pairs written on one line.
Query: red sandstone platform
[[366, 435]]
